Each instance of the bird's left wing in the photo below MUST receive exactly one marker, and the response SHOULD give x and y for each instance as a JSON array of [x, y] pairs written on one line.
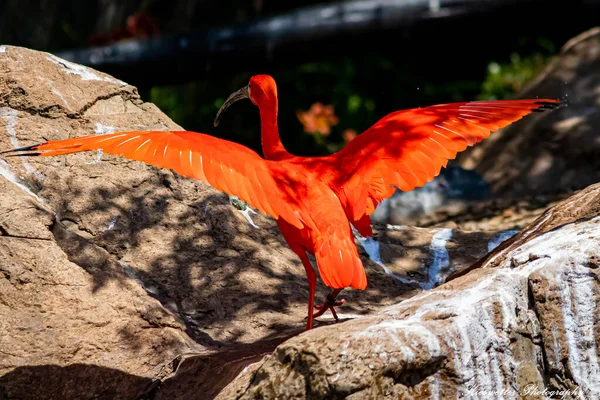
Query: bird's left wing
[[227, 166], [407, 149]]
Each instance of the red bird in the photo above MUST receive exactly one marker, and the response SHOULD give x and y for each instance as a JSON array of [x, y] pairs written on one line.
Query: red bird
[[315, 200]]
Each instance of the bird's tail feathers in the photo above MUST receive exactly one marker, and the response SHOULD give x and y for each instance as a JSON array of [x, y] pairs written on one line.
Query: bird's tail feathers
[[338, 261]]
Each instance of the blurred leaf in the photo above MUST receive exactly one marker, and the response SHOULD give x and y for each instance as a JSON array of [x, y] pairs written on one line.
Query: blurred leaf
[[354, 103], [504, 80]]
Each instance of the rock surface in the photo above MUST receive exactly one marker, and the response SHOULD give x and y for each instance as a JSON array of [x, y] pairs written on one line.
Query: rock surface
[[68, 312], [525, 327], [121, 280]]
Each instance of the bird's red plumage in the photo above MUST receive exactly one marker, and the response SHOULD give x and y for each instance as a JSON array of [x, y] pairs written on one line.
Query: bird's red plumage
[[316, 199]]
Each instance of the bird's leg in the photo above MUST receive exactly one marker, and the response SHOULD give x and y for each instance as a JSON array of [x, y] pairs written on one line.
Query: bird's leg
[[329, 303], [312, 284]]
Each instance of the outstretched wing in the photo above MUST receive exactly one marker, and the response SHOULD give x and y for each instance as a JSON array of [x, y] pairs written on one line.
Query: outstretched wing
[[407, 149], [227, 166]]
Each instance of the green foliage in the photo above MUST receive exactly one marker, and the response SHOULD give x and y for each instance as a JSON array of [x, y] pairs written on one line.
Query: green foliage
[[504, 79]]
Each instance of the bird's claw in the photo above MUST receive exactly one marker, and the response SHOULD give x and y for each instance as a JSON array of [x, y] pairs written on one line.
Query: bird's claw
[[329, 304]]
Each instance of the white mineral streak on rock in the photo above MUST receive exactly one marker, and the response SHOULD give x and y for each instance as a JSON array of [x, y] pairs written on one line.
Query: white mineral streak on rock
[[371, 246], [501, 237], [84, 73], [434, 386], [111, 225], [6, 173], [555, 362], [395, 227], [2, 49], [341, 316], [59, 94], [478, 342], [578, 311], [50, 83], [101, 130], [471, 335], [570, 249], [441, 261], [532, 229], [131, 272], [12, 118], [249, 366], [243, 208]]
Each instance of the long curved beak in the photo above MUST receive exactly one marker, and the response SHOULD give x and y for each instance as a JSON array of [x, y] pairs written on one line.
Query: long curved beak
[[239, 95]]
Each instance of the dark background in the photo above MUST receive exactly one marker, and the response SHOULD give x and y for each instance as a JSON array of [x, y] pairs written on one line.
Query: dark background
[[188, 56]]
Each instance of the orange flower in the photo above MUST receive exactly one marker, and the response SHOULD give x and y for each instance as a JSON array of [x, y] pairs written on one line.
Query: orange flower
[[349, 134], [318, 119]]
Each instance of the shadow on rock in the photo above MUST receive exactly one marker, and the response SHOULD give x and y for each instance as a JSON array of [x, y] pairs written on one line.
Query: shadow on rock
[[72, 382]]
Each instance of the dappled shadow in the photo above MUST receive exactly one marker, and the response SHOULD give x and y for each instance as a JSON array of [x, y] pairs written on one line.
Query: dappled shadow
[[205, 375], [75, 381], [191, 250], [237, 290], [223, 280], [191, 259]]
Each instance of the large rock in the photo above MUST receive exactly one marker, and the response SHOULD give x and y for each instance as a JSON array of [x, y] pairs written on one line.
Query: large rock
[[522, 329], [556, 151], [121, 280], [69, 313]]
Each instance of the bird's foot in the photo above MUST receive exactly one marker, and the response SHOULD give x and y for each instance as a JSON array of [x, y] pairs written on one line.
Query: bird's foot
[[329, 304]]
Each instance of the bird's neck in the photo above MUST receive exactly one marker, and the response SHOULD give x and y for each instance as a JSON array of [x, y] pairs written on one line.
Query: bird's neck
[[271, 143]]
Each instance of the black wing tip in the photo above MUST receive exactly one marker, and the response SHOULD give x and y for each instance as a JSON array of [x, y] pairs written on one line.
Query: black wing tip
[[32, 154], [22, 151], [548, 105]]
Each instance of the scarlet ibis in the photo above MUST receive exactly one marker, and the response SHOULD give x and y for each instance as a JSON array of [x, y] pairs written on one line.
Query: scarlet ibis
[[315, 200]]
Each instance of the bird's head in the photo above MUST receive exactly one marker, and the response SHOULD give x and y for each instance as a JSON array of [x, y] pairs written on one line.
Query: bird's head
[[261, 90]]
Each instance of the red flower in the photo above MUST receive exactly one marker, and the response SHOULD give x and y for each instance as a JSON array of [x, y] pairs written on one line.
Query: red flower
[[318, 119]]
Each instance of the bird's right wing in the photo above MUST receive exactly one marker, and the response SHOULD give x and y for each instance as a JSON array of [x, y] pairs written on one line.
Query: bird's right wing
[[227, 166], [407, 149]]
